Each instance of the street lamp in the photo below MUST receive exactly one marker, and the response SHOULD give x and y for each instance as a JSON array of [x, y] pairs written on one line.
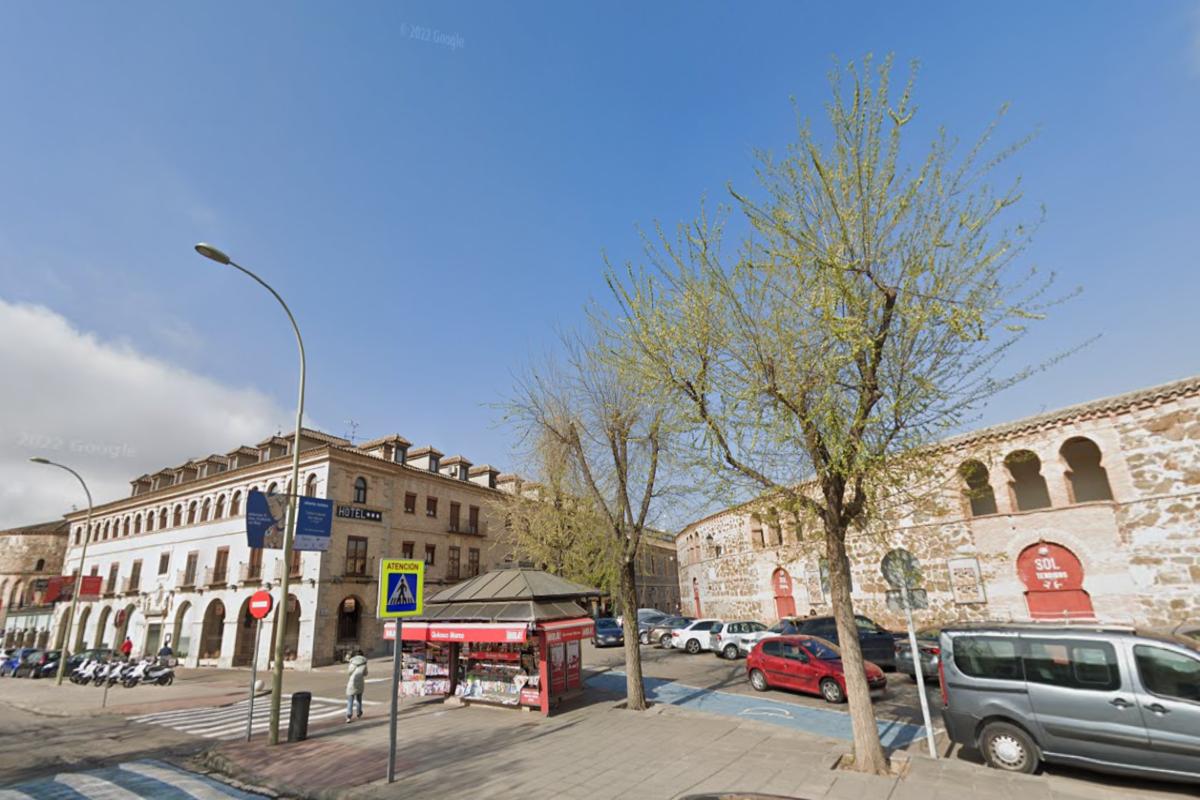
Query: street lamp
[[215, 254], [87, 533]]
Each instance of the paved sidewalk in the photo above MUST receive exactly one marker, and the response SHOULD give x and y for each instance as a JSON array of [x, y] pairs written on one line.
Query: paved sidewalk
[[600, 752], [44, 697]]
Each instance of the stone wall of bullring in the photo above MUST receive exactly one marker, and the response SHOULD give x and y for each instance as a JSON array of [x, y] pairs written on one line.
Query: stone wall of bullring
[[1138, 552]]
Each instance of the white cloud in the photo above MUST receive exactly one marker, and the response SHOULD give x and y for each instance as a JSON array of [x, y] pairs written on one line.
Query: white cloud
[[106, 410]]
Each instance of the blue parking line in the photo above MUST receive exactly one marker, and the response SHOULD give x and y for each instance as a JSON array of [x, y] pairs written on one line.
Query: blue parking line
[[819, 721]]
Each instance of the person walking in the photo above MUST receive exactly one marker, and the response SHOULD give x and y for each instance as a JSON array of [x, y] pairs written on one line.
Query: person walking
[[127, 647], [357, 678]]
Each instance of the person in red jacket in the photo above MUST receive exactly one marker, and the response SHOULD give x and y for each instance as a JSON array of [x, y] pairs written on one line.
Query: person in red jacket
[[127, 647]]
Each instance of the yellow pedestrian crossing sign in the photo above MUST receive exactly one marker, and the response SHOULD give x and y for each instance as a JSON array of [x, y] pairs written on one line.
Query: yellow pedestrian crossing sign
[[401, 587]]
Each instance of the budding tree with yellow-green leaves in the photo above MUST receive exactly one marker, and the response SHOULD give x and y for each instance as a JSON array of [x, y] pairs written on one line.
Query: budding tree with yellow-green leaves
[[866, 314]]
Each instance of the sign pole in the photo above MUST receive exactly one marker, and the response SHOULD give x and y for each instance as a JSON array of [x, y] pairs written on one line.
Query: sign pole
[[916, 655], [396, 648], [253, 678]]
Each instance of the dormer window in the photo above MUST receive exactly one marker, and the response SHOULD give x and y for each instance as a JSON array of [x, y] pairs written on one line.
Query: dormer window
[[434, 463], [400, 454]]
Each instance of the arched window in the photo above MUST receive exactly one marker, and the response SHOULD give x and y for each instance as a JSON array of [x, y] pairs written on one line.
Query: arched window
[[178, 518], [191, 517], [40, 565], [125, 529], [150, 522], [206, 509], [107, 525], [1087, 480], [360, 489], [1027, 484], [220, 512], [310, 486], [979, 489], [137, 524], [272, 488], [235, 504], [162, 519], [78, 535]]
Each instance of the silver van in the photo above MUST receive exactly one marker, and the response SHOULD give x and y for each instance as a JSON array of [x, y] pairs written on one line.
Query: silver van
[[1100, 697]]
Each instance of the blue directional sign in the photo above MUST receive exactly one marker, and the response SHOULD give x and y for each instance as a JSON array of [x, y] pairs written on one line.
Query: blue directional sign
[[401, 588], [266, 521], [314, 524]]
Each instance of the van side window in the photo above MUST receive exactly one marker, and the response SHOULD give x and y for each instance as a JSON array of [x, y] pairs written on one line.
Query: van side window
[[1074, 665], [988, 657], [1167, 673]]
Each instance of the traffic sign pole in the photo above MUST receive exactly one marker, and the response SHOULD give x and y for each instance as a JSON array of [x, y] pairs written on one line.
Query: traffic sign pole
[[396, 648], [260, 606], [916, 656]]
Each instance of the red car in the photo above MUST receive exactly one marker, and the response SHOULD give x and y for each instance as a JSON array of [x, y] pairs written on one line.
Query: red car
[[806, 664]]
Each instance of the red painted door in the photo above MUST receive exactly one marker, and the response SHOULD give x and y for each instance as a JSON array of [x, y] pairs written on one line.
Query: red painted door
[[785, 604], [1053, 578]]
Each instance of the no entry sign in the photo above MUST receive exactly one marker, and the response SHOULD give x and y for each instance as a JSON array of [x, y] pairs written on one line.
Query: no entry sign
[[260, 604]]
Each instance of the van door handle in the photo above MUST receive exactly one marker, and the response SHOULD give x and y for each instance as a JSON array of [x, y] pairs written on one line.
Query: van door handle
[[1120, 702], [1159, 708]]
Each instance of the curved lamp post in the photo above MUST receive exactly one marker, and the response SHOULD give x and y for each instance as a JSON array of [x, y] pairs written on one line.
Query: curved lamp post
[[214, 254], [87, 534]]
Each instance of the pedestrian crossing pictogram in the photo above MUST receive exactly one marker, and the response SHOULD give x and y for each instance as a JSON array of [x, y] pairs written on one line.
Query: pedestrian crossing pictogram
[[402, 595]]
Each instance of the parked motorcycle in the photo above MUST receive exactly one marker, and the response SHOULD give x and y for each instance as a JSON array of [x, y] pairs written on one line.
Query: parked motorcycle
[[135, 673], [160, 674], [85, 673]]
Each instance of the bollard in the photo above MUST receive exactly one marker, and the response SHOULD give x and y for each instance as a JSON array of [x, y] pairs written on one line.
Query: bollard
[[298, 721]]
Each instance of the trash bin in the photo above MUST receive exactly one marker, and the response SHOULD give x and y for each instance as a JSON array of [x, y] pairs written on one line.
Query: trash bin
[[298, 721]]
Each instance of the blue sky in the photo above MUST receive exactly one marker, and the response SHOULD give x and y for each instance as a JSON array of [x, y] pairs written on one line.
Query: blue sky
[[433, 210]]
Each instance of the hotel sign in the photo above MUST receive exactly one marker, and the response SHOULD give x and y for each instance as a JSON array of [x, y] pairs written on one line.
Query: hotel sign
[[354, 512]]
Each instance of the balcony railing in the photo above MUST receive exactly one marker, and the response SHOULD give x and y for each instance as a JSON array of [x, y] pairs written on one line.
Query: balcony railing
[[249, 572], [186, 580], [293, 573]]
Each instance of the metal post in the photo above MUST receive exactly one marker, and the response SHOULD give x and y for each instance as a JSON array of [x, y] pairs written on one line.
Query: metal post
[[253, 678], [391, 776], [916, 655]]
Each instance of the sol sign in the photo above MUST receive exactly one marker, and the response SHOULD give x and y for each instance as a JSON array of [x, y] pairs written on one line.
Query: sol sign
[[260, 604], [1048, 567]]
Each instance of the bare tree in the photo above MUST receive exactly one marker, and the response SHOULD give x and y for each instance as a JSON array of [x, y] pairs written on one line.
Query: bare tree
[[863, 317], [614, 437]]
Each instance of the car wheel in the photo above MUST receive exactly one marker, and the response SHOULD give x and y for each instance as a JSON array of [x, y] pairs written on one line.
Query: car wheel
[[644, 637], [665, 641], [1007, 747], [730, 651], [758, 681], [832, 692], [693, 646]]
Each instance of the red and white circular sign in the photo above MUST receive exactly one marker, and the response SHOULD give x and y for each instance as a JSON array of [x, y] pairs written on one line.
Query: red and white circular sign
[[260, 604]]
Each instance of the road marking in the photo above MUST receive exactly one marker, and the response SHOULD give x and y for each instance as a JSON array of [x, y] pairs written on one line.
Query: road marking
[[767, 712], [94, 787], [12, 794], [229, 722], [178, 778]]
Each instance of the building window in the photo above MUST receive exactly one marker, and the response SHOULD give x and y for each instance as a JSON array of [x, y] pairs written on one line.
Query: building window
[[1027, 484], [454, 513], [356, 555], [430, 555], [125, 527], [979, 489], [78, 535], [39, 565], [1087, 480], [220, 512], [221, 565], [137, 524], [310, 486], [272, 488], [431, 506], [189, 572], [295, 573], [191, 517], [164, 562], [206, 510], [473, 519], [178, 519], [254, 566], [162, 519], [410, 503], [113, 570], [434, 463], [235, 505], [452, 562], [360, 490], [472, 562], [135, 576], [406, 549]]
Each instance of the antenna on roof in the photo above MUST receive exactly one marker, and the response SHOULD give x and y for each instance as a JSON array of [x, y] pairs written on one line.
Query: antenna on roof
[[353, 432]]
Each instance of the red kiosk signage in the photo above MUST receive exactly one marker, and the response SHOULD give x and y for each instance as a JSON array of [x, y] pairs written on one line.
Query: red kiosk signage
[[1053, 578], [260, 604]]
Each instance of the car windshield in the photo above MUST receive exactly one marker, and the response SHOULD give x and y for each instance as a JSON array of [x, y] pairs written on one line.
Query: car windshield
[[606, 623], [821, 650]]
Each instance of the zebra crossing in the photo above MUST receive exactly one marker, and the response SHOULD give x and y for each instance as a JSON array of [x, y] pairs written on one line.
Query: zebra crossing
[[127, 781], [229, 722]]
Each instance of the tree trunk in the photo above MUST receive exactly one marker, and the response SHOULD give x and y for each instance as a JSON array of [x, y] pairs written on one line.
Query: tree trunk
[[635, 692], [868, 751]]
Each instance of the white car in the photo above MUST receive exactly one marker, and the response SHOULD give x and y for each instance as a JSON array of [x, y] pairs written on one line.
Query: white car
[[695, 637], [735, 639]]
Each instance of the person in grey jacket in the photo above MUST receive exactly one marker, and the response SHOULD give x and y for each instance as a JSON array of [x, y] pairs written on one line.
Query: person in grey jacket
[[357, 674]]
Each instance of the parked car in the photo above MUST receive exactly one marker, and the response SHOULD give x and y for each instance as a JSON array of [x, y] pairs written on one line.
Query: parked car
[[1100, 697], [805, 664], [930, 650], [695, 636], [97, 653], [878, 643], [661, 633], [735, 639], [648, 622], [15, 657], [607, 632], [35, 663], [1190, 630]]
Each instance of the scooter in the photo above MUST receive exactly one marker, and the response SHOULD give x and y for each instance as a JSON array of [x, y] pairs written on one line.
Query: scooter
[[132, 676], [160, 675], [85, 672], [109, 674]]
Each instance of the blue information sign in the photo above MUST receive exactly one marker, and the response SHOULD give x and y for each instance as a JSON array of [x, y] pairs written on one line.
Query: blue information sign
[[266, 519], [314, 524]]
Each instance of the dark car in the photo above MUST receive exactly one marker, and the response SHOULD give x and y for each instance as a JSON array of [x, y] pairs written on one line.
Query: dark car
[[97, 653], [660, 634], [607, 633], [805, 664], [15, 657], [878, 644], [929, 648], [38, 664]]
